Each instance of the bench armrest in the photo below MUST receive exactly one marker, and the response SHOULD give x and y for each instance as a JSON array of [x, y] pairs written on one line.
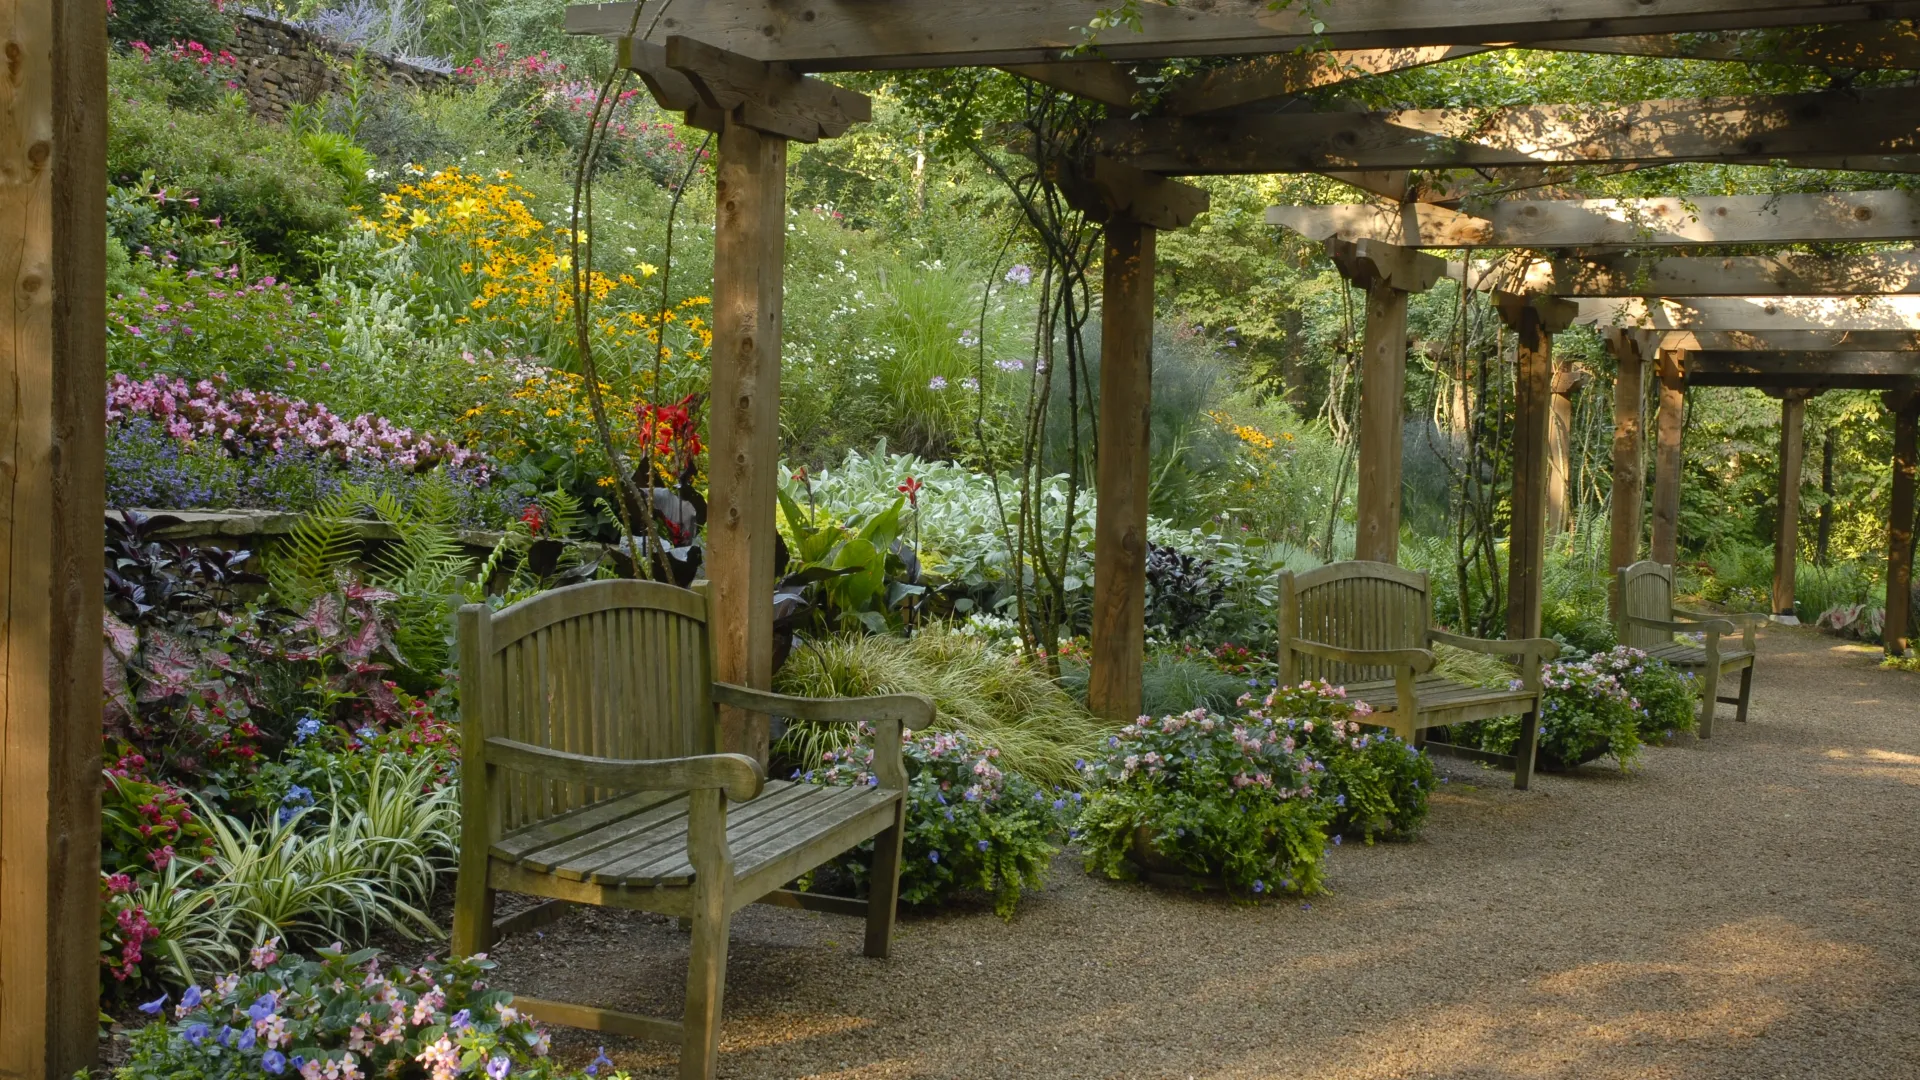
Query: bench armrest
[[737, 774], [1529, 651], [1711, 626], [1745, 620], [1420, 660], [892, 716]]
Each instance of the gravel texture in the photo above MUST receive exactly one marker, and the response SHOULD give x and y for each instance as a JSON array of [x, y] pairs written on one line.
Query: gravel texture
[[1739, 908]]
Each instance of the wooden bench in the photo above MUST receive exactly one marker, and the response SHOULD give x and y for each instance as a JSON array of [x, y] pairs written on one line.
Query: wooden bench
[[1368, 626], [589, 776], [1648, 621]]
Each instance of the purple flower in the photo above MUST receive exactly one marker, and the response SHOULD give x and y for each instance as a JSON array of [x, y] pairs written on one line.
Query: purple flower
[[983, 845], [274, 1062], [247, 1038], [262, 1007], [933, 856], [593, 1068], [498, 1068], [195, 1033], [938, 382], [152, 1008], [461, 1020], [1020, 274], [190, 999]]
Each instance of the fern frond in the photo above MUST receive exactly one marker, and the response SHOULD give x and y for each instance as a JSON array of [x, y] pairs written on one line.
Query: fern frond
[[303, 564]]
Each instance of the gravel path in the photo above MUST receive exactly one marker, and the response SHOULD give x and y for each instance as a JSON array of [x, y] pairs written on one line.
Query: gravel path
[[1740, 908]]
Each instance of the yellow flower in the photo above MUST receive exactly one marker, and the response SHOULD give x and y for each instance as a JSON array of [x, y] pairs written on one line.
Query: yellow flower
[[647, 270]]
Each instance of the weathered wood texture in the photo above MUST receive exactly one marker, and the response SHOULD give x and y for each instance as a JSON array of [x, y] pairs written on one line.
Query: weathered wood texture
[[1781, 274], [1786, 533], [1122, 477], [1760, 313], [1670, 421], [1383, 392], [1534, 321], [1786, 340], [1648, 620], [1287, 74], [1368, 626], [1804, 370], [749, 250], [1898, 630], [770, 98], [1104, 189], [1867, 46], [1785, 127], [1734, 219], [52, 495], [1096, 80], [824, 35], [1629, 459], [589, 776]]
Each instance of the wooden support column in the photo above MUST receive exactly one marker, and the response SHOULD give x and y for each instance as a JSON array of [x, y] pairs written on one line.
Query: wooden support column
[[52, 503], [1898, 630], [1666, 458], [1567, 381], [1389, 275], [1135, 206], [1534, 320], [1629, 465], [756, 108], [1786, 532], [1120, 517]]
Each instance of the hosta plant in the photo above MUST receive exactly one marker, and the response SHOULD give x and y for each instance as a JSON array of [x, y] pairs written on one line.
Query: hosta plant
[[340, 1016], [970, 824], [1237, 801]]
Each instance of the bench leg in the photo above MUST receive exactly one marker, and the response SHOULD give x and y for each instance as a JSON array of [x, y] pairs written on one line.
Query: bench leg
[[707, 966], [1746, 692], [472, 912], [1709, 698], [1523, 750], [883, 891]]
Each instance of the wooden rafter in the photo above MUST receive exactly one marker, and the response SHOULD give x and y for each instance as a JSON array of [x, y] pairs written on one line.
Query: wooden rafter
[[1755, 313], [1096, 80], [1834, 127], [1858, 216], [1785, 274], [1881, 45], [1809, 370], [824, 35], [1286, 74], [1783, 340]]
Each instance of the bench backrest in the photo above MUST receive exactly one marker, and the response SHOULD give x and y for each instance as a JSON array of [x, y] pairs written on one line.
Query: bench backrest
[[617, 669], [1645, 590], [1351, 605]]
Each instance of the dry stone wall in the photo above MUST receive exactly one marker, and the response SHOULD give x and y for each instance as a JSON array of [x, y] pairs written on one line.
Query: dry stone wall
[[283, 65]]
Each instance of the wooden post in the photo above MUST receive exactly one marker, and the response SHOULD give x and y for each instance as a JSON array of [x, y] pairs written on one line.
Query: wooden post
[[1534, 320], [1388, 274], [52, 464], [1897, 632], [1629, 465], [1119, 643], [1786, 533], [1666, 458], [1567, 381], [748, 252], [1824, 535]]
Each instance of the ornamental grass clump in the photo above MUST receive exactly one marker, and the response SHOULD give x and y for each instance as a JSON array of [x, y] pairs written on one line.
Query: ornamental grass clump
[[1232, 801], [1378, 785], [971, 825], [340, 1017]]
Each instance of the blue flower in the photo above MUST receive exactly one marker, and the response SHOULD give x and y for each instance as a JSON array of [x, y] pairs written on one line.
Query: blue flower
[[226, 1036], [274, 1062], [1059, 804], [1336, 839], [262, 1007], [298, 796], [306, 729], [461, 1020], [190, 999], [593, 1067], [247, 1038], [1259, 886], [152, 1008], [983, 845], [195, 1033], [283, 815], [1339, 800], [498, 1068], [933, 856]]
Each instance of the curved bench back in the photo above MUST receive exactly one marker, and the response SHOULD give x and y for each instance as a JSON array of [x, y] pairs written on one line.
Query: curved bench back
[[1646, 592], [617, 669], [1351, 605]]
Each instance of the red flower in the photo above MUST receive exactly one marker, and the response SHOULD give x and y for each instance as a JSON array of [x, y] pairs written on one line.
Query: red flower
[[533, 518], [912, 490]]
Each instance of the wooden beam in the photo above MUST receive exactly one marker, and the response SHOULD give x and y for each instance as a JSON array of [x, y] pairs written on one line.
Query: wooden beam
[[1828, 125], [1669, 424], [1858, 216], [772, 98], [843, 35], [1629, 461], [1286, 74], [1786, 533], [1755, 313], [1897, 631], [1122, 472], [1104, 189], [1096, 80], [1781, 274], [1807, 370], [52, 501], [1534, 320], [749, 252], [1784, 340], [1868, 46]]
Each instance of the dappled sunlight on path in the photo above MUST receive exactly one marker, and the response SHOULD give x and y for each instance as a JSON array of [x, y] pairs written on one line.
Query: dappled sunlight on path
[[1736, 909]]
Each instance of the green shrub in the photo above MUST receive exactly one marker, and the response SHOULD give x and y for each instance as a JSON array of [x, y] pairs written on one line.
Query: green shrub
[[1377, 783], [1585, 712], [995, 699], [1668, 698], [1233, 801], [159, 22], [970, 825]]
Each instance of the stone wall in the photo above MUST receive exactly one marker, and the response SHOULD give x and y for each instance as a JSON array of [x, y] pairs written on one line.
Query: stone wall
[[283, 65]]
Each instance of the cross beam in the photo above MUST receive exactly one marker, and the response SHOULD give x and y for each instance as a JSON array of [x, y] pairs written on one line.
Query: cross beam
[[1888, 45], [845, 35], [1755, 313], [1782, 340], [1850, 130], [1784, 274], [1856, 216], [1804, 370]]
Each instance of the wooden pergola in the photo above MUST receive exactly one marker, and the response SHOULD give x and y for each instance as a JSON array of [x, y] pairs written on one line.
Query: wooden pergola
[[739, 67]]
